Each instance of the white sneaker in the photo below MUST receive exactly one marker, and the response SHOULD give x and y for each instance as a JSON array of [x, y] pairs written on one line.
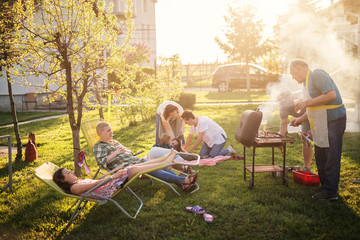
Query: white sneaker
[[231, 150]]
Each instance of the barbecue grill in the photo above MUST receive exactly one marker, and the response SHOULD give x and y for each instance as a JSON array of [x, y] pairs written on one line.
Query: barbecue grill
[[248, 135]]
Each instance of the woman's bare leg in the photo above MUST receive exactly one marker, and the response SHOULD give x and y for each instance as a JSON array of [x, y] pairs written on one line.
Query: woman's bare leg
[[307, 155]]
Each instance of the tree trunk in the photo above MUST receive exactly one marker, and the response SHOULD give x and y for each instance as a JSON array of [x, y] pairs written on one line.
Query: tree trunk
[[247, 75], [14, 117], [98, 98], [72, 121]]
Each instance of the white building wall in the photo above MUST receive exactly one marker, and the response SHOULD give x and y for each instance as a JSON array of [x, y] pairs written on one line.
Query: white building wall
[[145, 27], [19, 91], [144, 24]]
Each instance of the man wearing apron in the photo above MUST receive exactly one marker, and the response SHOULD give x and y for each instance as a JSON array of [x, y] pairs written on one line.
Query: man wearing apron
[[327, 116]]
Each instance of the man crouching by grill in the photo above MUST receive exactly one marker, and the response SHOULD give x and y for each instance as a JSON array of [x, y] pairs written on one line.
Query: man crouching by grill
[[327, 117]]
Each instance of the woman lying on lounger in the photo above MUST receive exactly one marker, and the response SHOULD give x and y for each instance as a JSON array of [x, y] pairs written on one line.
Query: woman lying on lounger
[[67, 181]]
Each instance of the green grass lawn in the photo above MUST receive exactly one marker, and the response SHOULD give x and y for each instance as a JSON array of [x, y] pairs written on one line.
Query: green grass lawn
[[269, 211], [205, 83]]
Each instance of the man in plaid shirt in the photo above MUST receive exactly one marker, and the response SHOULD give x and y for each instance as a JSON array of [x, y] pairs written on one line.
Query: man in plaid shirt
[[110, 154], [124, 156]]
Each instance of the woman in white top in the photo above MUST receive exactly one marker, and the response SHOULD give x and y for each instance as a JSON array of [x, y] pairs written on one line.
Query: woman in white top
[[168, 120], [209, 133]]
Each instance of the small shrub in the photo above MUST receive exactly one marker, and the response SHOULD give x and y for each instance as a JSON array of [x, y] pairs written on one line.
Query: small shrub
[[187, 100]]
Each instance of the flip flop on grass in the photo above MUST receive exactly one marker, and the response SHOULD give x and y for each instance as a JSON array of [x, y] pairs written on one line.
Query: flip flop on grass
[[208, 216], [196, 209]]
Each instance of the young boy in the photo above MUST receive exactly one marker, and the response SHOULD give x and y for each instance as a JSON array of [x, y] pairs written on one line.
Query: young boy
[[209, 133]]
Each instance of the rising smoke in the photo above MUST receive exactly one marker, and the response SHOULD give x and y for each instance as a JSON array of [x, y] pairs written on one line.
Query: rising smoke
[[312, 37]]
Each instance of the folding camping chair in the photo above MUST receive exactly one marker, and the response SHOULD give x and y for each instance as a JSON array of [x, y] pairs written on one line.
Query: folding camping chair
[[88, 128], [45, 173]]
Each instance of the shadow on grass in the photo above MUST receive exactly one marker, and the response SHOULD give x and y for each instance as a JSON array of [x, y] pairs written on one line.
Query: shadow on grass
[[16, 166], [108, 216], [269, 211], [35, 215]]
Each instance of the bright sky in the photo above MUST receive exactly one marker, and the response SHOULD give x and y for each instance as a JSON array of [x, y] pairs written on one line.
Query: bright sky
[[189, 27]]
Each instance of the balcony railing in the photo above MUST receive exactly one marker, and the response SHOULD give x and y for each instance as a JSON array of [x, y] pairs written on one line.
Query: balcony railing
[[120, 7]]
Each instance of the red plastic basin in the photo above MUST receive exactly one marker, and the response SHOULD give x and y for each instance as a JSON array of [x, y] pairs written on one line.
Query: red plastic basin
[[306, 178]]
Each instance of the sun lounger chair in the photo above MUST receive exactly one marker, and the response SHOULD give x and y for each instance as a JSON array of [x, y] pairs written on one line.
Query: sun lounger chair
[[88, 128], [46, 171]]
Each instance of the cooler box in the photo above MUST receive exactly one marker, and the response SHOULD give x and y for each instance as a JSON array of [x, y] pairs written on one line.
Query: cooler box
[[306, 178], [248, 127]]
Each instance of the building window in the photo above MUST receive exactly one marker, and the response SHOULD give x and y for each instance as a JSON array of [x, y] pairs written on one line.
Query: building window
[[144, 6], [148, 33], [134, 8]]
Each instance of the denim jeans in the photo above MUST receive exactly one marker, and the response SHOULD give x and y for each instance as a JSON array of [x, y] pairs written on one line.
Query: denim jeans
[[328, 159], [157, 137], [168, 176], [216, 150]]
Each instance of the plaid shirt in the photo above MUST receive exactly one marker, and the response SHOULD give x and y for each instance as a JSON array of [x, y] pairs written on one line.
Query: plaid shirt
[[103, 149]]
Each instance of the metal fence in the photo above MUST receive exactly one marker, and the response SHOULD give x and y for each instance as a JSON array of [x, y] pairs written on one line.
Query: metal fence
[[198, 72]]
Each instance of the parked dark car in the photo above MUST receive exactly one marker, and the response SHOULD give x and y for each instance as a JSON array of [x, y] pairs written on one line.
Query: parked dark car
[[233, 76]]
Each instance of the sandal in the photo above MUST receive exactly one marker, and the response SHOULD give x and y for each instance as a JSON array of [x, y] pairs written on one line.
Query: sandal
[[193, 177], [188, 187], [196, 209], [208, 217], [188, 170]]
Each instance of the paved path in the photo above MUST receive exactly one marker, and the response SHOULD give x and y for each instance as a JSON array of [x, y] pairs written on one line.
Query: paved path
[[34, 120], [4, 150]]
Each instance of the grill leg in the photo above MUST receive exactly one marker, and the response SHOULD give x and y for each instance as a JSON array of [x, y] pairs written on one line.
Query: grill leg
[[244, 163], [253, 168], [285, 181]]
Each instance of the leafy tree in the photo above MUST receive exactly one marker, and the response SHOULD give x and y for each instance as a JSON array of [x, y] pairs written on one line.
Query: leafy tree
[[244, 41], [128, 77], [169, 78], [9, 57], [144, 97], [70, 46]]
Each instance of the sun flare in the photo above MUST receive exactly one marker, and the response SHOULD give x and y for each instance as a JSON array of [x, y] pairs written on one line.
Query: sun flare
[[188, 28]]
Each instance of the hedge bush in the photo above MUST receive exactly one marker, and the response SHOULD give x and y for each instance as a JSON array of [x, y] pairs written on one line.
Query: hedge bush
[[187, 100]]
